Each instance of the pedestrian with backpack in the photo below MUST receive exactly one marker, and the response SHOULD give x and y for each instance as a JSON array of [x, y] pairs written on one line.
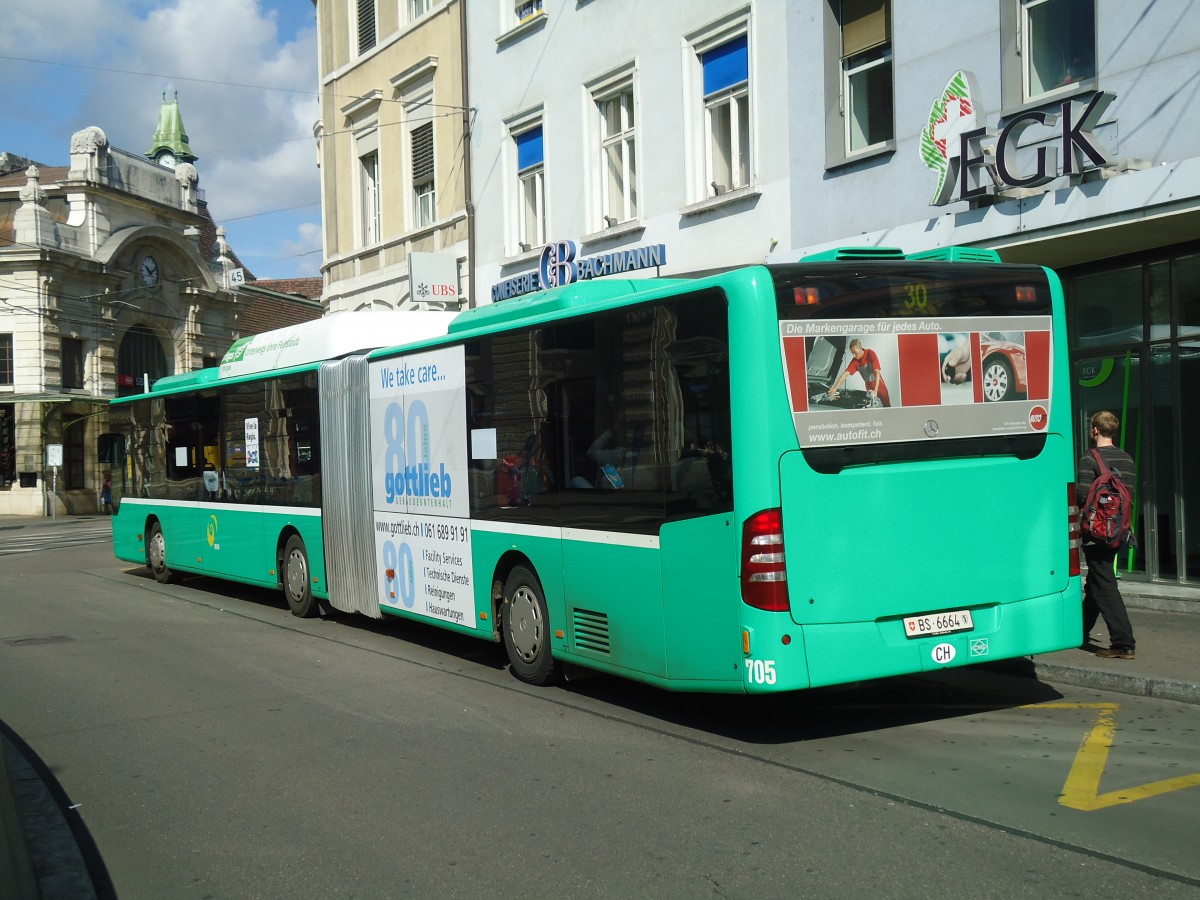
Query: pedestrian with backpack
[[1101, 596]]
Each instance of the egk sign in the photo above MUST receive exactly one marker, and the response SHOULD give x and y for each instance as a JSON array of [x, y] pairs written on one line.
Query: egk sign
[[972, 160]]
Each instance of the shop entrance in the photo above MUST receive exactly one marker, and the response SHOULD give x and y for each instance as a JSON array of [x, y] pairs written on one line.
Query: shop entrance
[[1135, 348]]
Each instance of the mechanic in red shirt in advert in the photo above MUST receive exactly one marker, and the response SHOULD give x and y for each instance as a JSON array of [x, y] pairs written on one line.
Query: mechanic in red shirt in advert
[[866, 364]]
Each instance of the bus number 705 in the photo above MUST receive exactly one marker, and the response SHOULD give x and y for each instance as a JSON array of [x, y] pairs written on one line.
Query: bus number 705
[[761, 671]]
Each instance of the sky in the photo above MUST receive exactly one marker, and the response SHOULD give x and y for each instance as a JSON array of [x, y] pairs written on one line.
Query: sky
[[245, 72]]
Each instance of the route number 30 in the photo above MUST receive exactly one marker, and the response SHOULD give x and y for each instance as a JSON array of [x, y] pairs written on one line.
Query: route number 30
[[761, 671], [918, 298]]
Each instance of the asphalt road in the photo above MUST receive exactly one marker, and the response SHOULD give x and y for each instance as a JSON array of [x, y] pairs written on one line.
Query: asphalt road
[[214, 746]]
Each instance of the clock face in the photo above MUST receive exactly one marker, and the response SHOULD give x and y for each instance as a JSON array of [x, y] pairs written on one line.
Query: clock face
[[148, 270], [167, 158]]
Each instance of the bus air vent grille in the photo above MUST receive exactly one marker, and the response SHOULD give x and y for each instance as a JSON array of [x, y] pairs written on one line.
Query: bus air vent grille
[[959, 254], [847, 254], [591, 630]]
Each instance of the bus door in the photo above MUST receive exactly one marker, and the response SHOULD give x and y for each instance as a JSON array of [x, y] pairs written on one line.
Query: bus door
[[229, 532]]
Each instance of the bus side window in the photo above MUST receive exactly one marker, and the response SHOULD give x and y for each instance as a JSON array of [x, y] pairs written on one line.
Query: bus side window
[[700, 357]]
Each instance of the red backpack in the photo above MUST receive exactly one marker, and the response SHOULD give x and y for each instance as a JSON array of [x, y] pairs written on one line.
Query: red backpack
[[1107, 512]]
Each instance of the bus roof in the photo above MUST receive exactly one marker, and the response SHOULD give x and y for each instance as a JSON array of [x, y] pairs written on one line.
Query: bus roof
[[331, 337], [556, 299], [953, 253]]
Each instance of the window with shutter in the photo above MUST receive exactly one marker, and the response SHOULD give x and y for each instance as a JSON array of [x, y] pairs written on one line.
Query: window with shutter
[[424, 197], [726, 74], [531, 200], [867, 74], [366, 25]]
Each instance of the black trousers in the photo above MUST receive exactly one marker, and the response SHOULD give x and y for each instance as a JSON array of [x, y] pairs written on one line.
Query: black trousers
[[1101, 597]]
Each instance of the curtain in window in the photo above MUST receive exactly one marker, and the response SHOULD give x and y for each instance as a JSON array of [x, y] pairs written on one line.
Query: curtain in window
[[865, 24], [726, 65]]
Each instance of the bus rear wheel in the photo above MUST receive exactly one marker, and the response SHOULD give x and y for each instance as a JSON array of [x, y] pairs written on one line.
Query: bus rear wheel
[[156, 556], [527, 628], [297, 586]]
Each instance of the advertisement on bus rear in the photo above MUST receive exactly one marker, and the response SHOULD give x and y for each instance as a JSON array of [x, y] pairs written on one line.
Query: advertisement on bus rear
[[867, 381], [419, 485]]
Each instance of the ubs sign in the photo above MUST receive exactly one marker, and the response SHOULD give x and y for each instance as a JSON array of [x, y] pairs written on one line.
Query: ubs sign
[[972, 160]]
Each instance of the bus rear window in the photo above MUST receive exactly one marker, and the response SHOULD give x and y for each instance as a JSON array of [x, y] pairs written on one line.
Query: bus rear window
[[880, 354], [908, 290]]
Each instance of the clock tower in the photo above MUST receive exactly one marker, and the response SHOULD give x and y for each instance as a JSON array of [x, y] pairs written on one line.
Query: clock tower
[[169, 146]]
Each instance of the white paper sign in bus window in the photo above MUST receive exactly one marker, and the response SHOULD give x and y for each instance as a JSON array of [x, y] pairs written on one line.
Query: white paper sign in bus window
[[865, 381], [252, 443], [419, 479]]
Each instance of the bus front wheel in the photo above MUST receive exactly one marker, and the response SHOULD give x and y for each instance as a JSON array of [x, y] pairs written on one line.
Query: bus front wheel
[[297, 586], [156, 556], [527, 628]]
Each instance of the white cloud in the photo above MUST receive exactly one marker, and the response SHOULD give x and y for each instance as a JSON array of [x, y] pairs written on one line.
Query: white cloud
[[84, 29], [247, 95]]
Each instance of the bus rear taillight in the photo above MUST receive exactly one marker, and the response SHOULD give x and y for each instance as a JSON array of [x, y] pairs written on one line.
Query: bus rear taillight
[[764, 575], [1073, 528]]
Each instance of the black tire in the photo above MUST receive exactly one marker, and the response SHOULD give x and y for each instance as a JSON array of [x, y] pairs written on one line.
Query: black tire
[[527, 629], [294, 575], [998, 381], [156, 556]]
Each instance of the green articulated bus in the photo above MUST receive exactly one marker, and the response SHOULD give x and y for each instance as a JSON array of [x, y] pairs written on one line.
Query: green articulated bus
[[779, 477]]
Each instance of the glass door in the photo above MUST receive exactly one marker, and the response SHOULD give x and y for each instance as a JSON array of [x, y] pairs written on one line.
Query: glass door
[[1114, 383], [1188, 509]]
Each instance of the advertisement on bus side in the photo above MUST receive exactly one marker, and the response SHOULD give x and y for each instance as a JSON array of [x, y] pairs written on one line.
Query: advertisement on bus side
[[419, 484], [865, 381]]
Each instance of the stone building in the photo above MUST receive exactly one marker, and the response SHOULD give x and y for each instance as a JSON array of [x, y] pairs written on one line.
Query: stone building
[[111, 271]]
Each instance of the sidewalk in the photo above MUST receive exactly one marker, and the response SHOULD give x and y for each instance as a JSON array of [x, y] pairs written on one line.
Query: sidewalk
[[1166, 622]]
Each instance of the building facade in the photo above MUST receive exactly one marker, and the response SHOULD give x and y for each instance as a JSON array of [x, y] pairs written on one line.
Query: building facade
[[1056, 132], [686, 137], [393, 154], [111, 272], [648, 136], [628, 136]]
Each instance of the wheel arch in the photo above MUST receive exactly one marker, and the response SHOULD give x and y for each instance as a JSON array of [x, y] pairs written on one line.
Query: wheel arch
[[285, 534], [152, 519], [508, 561]]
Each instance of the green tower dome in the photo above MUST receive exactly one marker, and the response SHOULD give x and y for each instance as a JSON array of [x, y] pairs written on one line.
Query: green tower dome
[[170, 143]]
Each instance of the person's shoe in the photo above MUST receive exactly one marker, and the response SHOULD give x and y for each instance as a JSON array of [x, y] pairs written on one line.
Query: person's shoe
[[1115, 653]]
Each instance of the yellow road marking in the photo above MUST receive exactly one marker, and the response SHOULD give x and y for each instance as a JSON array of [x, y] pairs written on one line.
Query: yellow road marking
[[1082, 788]]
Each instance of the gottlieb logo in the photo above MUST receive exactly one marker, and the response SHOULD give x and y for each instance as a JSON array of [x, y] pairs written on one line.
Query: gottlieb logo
[[1039, 418]]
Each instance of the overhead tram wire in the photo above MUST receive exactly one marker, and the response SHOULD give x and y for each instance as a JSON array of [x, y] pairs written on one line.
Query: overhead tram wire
[[216, 82], [451, 110]]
